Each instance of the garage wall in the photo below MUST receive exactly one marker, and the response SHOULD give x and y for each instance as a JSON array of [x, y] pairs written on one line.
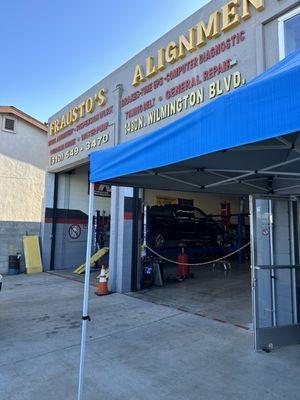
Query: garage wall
[[73, 201], [79, 198], [210, 204]]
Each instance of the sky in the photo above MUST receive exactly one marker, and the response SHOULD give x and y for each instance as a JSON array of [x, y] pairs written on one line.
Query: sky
[[54, 50]]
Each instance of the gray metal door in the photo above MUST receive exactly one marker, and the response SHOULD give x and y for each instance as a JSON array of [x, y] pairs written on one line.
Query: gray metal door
[[275, 271]]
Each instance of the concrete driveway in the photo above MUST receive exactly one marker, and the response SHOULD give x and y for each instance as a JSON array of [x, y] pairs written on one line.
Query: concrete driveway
[[136, 349]]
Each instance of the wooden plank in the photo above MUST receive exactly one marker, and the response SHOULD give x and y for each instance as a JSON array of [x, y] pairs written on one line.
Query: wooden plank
[[100, 253], [33, 259]]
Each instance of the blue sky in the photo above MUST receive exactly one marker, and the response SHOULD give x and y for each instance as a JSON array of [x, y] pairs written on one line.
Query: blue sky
[[53, 50]]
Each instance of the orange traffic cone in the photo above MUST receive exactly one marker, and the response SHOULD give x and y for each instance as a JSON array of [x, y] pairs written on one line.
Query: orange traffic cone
[[102, 285]]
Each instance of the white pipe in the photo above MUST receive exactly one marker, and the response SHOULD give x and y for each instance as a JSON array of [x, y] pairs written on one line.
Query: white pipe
[[85, 316], [286, 188], [180, 181], [237, 171], [252, 210], [272, 259], [286, 178], [280, 164], [289, 144], [233, 179], [237, 181], [279, 173], [293, 261]]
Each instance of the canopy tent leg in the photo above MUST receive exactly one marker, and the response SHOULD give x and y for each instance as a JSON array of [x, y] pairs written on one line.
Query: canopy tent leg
[[85, 316]]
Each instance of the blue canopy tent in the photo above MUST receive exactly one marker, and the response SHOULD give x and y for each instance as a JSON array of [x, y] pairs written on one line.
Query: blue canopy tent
[[245, 142], [239, 135]]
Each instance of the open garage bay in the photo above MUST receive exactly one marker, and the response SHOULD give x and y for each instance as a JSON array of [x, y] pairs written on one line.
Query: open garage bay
[[213, 292]]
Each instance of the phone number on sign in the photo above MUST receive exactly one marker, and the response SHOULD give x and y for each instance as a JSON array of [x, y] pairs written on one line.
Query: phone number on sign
[[89, 145]]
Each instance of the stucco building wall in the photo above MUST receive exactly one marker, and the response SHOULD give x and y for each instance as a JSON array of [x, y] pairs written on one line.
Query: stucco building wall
[[23, 158]]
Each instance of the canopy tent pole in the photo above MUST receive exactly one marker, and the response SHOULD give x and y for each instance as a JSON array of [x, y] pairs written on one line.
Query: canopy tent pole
[[85, 316]]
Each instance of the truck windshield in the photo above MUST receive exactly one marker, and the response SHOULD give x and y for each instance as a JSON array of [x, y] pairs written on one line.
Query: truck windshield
[[190, 214]]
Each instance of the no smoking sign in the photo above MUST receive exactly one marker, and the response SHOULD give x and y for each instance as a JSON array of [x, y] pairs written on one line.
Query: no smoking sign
[[74, 231]]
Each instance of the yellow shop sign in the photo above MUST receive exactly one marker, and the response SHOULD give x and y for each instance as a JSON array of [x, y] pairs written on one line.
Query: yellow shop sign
[[226, 18]]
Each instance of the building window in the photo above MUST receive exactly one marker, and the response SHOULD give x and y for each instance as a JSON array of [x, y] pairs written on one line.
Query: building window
[[9, 124], [289, 33]]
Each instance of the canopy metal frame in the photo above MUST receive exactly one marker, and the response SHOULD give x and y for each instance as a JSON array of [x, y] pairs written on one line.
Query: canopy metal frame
[[240, 178], [246, 177]]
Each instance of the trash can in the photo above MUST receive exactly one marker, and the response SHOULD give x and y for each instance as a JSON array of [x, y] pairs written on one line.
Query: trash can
[[14, 264]]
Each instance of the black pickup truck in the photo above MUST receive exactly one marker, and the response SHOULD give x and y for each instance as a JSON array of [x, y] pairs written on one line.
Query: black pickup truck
[[184, 224]]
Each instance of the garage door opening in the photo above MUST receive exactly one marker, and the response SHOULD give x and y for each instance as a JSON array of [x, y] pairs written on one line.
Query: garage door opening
[[206, 229]]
